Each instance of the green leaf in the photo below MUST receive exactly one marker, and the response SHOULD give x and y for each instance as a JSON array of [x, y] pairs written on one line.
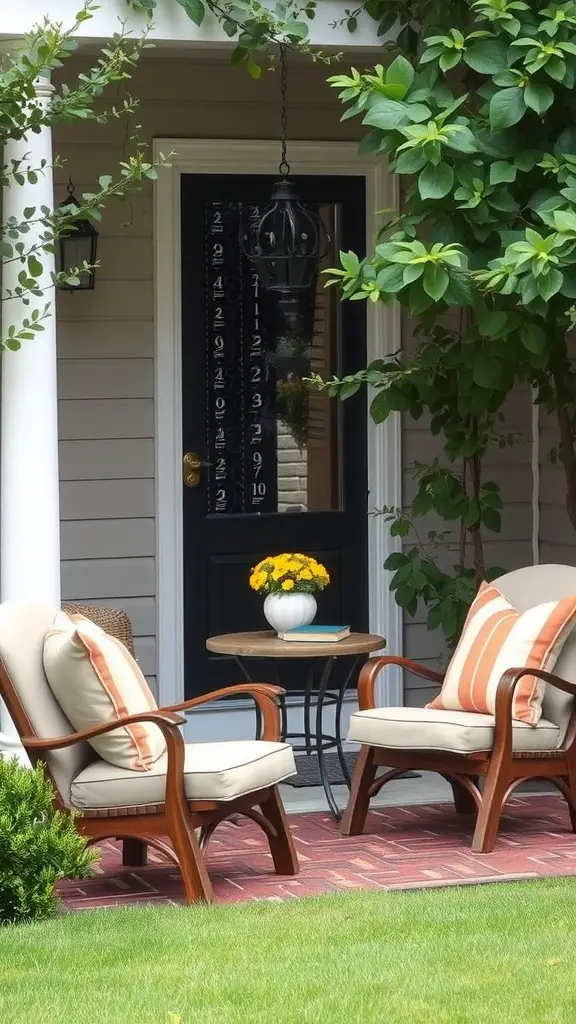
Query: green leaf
[[550, 283], [195, 10], [533, 337], [569, 284], [418, 112], [253, 69], [565, 221], [491, 519], [371, 143], [435, 281], [538, 97], [350, 262], [412, 272], [463, 141], [435, 182], [387, 114], [556, 68], [449, 59], [487, 56], [471, 514], [238, 56], [488, 372], [410, 161], [507, 107], [501, 171], [35, 268], [404, 595], [527, 160], [400, 72], [492, 323], [459, 291], [503, 200], [396, 560], [391, 279], [380, 406]]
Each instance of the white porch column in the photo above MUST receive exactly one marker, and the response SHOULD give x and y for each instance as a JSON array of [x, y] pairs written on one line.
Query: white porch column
[[29, 483]]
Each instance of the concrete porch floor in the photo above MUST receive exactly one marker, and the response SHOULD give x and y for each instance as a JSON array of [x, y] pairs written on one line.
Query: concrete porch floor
[[430, 788]]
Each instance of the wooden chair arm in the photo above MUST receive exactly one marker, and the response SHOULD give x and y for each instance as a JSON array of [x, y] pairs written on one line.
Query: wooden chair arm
[[166, 721], [372, 668], [503, 704], [265, 695]]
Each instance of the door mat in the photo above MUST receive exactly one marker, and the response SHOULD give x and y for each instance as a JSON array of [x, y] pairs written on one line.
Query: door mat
[[309, 773]]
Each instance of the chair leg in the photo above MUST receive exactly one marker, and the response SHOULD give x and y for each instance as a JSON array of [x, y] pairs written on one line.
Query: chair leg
[[282, 844], [490, 811], [463, 800], [134, 852], [359, 800], [197, 884], [571, 782]]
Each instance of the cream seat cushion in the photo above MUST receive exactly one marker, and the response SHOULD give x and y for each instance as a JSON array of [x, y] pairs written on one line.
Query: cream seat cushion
[[452, 732], [212, 771], [96, 680]]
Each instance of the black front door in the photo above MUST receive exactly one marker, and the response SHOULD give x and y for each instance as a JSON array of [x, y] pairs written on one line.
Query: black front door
[[287, 466]]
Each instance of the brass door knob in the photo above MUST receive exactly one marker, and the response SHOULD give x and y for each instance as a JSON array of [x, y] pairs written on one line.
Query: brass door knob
[[191, 463]]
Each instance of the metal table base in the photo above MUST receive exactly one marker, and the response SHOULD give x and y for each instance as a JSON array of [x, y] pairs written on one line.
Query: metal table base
[[315, 699]]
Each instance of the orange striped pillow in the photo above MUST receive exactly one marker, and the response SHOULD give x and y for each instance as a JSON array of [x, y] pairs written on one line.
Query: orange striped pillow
[[96, 680], [495, 638]]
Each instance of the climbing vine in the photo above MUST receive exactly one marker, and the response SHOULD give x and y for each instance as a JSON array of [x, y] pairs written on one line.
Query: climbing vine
[[479, 125]]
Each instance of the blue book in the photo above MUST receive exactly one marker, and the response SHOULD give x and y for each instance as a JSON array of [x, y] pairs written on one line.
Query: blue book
[[316, 634]]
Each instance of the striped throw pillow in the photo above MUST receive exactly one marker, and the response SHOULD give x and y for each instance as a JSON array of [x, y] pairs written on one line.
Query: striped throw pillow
[[495, 638], [96, 680]]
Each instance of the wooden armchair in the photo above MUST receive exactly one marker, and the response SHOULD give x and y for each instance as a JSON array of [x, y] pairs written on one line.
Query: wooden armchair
[[194, 786], [465, 747]]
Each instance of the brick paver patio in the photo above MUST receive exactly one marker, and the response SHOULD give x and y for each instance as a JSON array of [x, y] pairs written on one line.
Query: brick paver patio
[[411, 847]]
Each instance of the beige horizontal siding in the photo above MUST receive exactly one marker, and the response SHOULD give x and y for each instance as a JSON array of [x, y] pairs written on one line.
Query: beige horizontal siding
[[88, 579], [107, 538], [108, 459], [557, 535], [106, 499], [105, 419]]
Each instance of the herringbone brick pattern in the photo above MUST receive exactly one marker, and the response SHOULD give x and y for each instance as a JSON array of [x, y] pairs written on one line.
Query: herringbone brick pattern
[[410, 847]]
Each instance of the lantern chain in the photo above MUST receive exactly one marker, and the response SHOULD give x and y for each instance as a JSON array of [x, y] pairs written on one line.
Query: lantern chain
[[284, 166]]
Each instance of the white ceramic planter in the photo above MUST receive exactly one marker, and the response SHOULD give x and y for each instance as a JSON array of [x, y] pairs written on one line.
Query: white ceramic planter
[[289, 611]]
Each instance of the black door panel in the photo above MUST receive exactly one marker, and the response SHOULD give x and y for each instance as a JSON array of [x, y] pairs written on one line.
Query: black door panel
[[288, 470]]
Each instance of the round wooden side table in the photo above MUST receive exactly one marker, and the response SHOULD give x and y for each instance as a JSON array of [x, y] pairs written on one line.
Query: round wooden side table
[[265, 644]]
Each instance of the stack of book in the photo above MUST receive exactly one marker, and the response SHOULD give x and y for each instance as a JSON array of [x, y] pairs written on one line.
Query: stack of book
[[316, 634]]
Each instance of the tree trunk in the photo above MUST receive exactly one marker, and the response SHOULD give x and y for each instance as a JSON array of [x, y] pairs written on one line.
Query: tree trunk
[[477, 547], [568, 454]]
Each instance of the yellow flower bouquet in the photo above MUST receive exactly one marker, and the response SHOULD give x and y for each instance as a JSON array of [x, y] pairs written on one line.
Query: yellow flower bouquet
[[288, 574]]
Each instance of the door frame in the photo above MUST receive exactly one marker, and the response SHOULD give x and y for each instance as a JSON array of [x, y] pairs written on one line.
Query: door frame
[[226, 156]]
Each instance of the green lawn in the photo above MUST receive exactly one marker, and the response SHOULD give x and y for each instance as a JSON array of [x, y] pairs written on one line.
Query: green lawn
[[501, 954]]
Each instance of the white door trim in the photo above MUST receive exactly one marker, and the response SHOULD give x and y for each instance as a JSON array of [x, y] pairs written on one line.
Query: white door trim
[[224, 156]]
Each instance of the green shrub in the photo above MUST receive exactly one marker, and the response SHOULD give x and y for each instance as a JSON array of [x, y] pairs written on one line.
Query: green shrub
[[38, 845]]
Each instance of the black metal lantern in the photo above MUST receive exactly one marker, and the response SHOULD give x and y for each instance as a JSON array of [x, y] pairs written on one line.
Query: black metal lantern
[[288, 240], [77, 246]]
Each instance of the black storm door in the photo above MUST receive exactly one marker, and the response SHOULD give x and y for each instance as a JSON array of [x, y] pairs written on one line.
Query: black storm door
[[287, 466]]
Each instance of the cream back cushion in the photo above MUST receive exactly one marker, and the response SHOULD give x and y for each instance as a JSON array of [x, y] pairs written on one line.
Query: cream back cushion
[[96, 680], [532, 585]]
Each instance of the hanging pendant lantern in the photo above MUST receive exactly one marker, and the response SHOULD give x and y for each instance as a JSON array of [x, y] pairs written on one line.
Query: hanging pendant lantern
[[288, 240], [77, 246]]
